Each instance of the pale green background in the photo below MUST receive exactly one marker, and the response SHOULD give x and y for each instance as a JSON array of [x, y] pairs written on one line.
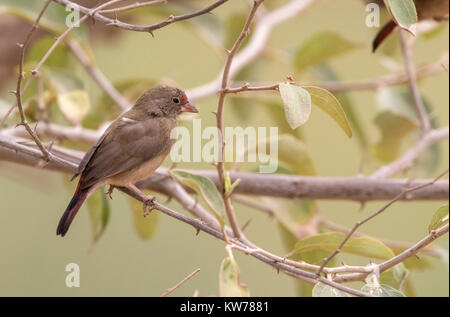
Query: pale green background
[[33, 258]]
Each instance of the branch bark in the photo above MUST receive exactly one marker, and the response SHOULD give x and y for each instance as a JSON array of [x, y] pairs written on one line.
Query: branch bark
[[358, 189]]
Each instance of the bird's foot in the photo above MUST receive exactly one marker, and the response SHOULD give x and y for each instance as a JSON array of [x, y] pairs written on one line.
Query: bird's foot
[[110, 191], [148, 205]]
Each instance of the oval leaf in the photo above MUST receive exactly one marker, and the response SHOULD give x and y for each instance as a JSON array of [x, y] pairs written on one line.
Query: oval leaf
[[206, 189], [145, 227], [439, 218], [324, 290], [99, 212], [381, 290], [321, 47], [329, 241], [74, 105], [229, 280], [297, 104], [326, 101], [404, 13]]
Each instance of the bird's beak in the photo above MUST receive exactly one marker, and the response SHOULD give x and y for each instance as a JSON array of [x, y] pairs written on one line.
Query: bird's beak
[[188, 107]]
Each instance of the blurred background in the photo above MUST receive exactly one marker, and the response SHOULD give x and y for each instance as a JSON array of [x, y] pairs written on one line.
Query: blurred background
[[121, 263]]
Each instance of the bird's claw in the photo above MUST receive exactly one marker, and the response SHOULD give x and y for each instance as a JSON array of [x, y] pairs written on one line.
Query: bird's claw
[[110, 191], [148, 205]]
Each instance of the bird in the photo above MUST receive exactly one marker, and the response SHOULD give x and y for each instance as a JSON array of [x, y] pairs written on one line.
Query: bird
[[132, 147], [426, 10]]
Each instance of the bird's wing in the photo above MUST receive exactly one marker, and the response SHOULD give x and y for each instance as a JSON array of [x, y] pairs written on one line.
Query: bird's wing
[[124, 146]]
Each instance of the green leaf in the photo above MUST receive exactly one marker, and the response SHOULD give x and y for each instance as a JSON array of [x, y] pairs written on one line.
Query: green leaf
[[324, 290], [381, 290], [206, 189], [74, 105], [329, 241], [72, 99], [321, 47], [59, 57], [293, 215], [326, 101], [396, 121], [99, 212], [229, 280], [439, 219], [325, 72], [403, 12], [297, 104], [145, 227], [293, 152], [394, 130]]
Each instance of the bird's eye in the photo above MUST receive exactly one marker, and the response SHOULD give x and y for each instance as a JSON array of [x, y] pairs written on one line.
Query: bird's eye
[[176, 100]]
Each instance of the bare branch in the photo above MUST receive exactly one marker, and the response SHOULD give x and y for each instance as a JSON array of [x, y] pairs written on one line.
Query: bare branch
[[413, 250], [412, 80], [360, 223], [274, 185], [255, 46], [97, 75], [219, 114], [144, 28], [410, 157], [133, 6], [171, 289], [18, 92]]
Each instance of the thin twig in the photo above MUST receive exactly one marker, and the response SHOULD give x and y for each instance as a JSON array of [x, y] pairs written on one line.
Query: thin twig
[[90, 13], [97, 75], [386, 265], [431, 251], [143, 28], [408, 159], [171, 289], [18, 92], [361, 222], [256, 45], [412, 80], [133, 6], [219, 114]]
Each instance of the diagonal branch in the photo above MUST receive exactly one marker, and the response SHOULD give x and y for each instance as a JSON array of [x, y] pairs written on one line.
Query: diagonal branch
[[143, 28], [412, 80], [410, 157], [97, 75], [360, 223]]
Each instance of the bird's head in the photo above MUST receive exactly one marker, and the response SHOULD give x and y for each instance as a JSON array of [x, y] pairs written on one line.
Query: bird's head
[[164, 101]]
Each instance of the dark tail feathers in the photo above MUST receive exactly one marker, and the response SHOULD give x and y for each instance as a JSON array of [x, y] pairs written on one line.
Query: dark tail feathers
[[382, 34], [77, 200]]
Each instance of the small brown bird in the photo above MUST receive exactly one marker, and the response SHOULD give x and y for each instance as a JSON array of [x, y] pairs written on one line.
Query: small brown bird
[[132, 147], [426, 10]]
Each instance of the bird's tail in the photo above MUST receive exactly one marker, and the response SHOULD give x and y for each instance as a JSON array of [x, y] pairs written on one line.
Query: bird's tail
[[78, 198], [382, 34]]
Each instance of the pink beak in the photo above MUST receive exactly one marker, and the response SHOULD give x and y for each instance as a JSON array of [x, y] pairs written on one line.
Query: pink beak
[[188, 107]]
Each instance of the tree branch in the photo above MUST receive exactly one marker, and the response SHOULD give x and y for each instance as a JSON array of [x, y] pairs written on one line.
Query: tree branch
[[410, 157], [255, 46], [97, 75], [360, 223], [143, 28], [412, 80], [224, 83], [358, 189]]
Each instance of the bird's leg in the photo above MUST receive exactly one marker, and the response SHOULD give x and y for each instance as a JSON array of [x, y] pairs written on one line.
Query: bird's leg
[[110, 190], [148, 200]]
